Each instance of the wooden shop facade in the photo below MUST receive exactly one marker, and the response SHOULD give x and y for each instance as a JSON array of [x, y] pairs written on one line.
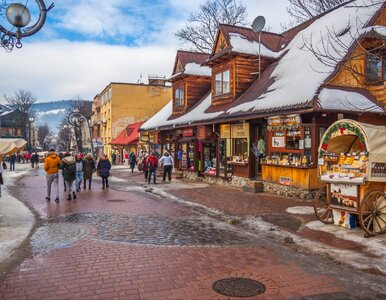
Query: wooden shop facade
[[227, 123]]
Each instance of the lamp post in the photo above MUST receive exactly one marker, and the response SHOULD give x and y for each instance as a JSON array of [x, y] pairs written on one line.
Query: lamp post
[[19, 16], [77, 119], [30, 121]]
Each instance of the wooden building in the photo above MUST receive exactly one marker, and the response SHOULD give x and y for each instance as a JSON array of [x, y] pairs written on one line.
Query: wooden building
[[228, 124]]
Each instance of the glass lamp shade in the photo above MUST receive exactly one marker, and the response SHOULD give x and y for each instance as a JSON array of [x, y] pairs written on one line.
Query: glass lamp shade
[[18, 15]]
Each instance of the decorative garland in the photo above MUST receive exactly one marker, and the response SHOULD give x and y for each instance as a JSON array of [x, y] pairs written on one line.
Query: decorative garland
[[342, 127]]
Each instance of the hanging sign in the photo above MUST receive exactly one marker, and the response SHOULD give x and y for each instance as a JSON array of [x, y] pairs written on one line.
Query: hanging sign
[[278, 142], [281, 122], [203, 132], [225, 131], [155, 138], [240, 130], [187, 132]]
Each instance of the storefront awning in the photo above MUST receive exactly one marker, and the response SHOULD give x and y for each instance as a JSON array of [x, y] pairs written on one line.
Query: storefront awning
[[128, 136]]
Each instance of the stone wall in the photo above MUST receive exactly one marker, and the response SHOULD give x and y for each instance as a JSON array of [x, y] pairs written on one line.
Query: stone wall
[[269, 187]]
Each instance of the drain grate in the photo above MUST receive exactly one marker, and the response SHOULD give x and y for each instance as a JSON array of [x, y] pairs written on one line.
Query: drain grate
[[116, 200], [238, 287]]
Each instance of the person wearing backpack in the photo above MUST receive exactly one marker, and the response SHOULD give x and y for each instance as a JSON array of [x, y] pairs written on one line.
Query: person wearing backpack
[[103, 169], [152, 163], [144, 166], [132, 161], [69, 174], [88, 169]]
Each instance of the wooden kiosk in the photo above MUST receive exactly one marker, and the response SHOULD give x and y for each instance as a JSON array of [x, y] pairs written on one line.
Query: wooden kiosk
[[352, 163]]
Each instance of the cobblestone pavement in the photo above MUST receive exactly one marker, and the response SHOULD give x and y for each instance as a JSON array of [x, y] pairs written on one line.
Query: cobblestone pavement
[[117, 244]]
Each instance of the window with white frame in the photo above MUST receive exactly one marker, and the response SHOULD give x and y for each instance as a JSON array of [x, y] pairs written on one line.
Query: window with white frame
[[179, 97], [223, 83]]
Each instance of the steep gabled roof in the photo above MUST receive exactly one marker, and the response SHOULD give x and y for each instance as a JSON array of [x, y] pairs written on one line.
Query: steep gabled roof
[[185, 57], [127, 136], [295, 81]]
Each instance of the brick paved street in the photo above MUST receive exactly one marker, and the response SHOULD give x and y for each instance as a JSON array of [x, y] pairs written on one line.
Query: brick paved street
[[126, 243]]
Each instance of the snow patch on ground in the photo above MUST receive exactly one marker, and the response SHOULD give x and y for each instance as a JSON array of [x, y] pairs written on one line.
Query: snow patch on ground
[[300, 210]]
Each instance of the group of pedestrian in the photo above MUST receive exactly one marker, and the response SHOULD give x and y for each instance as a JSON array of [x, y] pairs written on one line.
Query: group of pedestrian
[[75, 170], [21, 158], [150, 163]]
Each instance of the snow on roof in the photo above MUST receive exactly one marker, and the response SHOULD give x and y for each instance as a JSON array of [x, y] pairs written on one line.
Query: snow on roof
[[197, 114], [242, 44], [336, 99], [379, 30], [196, 69], [299, 73]]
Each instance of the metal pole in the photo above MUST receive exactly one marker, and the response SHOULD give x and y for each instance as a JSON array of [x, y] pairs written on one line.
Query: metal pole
[[259, 55]]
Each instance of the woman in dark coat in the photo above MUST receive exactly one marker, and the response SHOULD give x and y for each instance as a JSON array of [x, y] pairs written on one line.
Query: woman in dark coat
[[132, 161], [103, 169], [88, 169]]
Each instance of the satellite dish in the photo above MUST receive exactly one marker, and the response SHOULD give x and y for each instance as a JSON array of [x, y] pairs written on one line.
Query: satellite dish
[[258, 24]]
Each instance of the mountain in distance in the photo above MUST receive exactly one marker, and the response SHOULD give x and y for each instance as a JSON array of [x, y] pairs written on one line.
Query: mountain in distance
[[52, 112]]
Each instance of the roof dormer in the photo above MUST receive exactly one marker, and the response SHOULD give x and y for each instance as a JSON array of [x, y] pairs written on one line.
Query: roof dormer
[[190, 80]]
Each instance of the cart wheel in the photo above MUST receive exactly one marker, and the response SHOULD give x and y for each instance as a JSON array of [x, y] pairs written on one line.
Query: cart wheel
[[372, 213], [321, 207]]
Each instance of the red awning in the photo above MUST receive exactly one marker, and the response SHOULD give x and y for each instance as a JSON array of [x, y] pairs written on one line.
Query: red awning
[[127, 136]]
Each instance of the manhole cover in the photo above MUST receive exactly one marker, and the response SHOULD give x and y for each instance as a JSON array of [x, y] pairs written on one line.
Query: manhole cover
[[116, 200], [238, 287]]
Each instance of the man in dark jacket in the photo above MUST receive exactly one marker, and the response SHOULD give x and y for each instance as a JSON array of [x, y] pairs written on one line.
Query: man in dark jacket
[[12, 161], [88, 169], [69, 174], [103, 169], [152, 163]]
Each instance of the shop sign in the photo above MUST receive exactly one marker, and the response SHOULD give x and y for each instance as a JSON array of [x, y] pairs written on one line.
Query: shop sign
[[288, 121], [344, 195], [285, 180], [225, 131], [278, 142], [186, 132], [203, 132], [240, 130]]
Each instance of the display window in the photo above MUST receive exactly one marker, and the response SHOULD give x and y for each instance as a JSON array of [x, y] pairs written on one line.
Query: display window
[[225, 169], [209, 154], [240, 150]]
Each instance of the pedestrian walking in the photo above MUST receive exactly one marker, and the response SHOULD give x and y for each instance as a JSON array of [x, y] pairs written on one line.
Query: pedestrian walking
[[126, 158], [167, 161], [114, 158], [51, 166], [69, 174], [35, 160], [103, 169], [79, 171], [88, 169], [144, 166], [132, 161], [12, 160], [152, 163]]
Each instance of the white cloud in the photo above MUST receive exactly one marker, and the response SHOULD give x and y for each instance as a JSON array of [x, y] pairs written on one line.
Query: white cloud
[[63, 70]]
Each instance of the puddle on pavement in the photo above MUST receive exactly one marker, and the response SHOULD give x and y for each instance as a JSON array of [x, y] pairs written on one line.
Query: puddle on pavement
[[284, 221]]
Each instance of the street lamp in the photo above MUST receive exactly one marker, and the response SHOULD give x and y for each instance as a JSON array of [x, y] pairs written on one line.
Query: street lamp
[[30, 133], [19, 16], [77, 119]]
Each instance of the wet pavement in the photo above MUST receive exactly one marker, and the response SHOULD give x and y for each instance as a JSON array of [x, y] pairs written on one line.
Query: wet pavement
[[172, 241]]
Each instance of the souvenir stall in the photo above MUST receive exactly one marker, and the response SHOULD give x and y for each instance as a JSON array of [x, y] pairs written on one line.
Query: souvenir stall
[[291, 152], [352, 164], [9, 147]]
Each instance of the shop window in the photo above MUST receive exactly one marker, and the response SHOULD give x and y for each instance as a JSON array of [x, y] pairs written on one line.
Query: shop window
[[179, 97], [223, 83], [375, 69], [240, 150], [209, 150]]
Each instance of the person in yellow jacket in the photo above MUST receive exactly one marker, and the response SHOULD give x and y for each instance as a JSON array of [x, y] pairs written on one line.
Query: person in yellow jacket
[[51, 164]]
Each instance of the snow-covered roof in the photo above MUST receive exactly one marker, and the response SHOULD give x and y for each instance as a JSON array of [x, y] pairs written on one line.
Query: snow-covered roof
[[342, 100], [376, 30], [194, 69], [197, 114], [242, 44], [299, 73]]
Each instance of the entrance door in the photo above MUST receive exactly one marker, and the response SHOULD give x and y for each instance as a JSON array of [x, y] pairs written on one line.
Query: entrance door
[[259, 148]]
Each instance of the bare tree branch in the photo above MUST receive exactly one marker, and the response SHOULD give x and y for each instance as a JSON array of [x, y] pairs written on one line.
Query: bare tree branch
[[200, 33]]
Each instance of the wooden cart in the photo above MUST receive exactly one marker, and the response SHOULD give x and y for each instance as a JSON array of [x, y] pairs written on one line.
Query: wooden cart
[[9, 146], [352, 163]]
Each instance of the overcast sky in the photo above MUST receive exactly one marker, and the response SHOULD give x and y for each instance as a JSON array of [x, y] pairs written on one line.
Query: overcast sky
[[86, 44]]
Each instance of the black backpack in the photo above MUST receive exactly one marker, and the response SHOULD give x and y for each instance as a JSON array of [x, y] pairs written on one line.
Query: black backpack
[[71, 169]]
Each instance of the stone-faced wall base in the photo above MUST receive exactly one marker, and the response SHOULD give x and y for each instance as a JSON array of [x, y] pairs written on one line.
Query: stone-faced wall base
[[289, 191]]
